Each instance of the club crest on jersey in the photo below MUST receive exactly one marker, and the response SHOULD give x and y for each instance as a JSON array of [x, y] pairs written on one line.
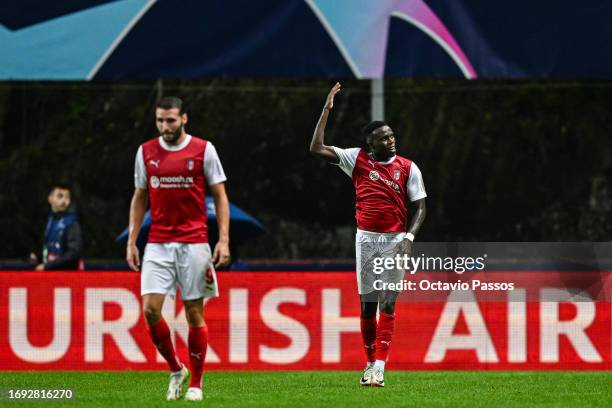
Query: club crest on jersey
[[374, 175], [396, 174], [190, 164]]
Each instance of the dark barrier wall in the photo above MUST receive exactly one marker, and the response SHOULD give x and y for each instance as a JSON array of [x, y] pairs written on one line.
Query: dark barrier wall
[[502, 161]]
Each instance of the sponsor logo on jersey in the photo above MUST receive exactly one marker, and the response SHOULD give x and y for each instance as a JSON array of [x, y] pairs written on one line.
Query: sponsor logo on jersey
[[154, 182], [154, 163], [374, 176], [171, 182], [392, 184], [190, 164]]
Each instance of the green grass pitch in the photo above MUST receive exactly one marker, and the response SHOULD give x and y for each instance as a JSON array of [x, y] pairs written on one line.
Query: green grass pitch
[[324, 389]]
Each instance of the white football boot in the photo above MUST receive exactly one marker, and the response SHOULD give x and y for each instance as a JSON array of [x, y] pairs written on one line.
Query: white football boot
[[378, 378], [193, 394], [177, 381], [367, 374]]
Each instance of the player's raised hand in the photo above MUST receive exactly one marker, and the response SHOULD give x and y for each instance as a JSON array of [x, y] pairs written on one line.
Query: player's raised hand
[[329, 102], [221, 255], [133, 257]]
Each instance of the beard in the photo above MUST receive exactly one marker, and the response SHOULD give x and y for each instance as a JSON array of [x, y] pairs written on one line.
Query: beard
[[171, 138]]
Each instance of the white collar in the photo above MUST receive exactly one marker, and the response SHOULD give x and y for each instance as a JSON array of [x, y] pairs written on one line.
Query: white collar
[[384, 163], [172, 148]]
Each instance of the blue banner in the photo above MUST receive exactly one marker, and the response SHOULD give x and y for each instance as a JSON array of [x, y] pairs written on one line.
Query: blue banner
[[191, 39]]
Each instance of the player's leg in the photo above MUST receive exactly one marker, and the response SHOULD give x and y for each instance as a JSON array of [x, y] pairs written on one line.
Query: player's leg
[[158, 329], [160, 335], [157, 280], [198, 344], [364, 251], [369, 306], [384, 334], [197, 281]]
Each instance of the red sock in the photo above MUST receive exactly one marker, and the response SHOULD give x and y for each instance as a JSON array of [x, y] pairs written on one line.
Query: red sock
[[384, 334], [160, 334], [368, 336], [198, 342]]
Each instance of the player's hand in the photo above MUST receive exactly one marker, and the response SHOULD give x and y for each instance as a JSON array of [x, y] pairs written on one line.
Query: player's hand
[[221, 255], [33, 258], [329, 102], [404, 247], [133, 257]]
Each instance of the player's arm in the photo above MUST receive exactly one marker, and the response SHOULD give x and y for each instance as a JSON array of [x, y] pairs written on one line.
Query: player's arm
[[138, 208], [317, 145], [414, 226], [416, 195], [418, 217], [221, 254]]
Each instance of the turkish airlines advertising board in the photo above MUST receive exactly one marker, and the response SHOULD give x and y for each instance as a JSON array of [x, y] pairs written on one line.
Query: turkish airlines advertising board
[[306, 321]]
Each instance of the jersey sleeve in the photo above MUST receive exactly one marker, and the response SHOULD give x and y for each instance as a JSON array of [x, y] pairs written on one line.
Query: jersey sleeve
[[140, 171], [415, 185], [213, 170], [348, 158]]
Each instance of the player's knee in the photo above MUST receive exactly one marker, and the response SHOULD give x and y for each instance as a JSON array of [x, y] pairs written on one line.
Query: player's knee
[[195, 317], [368, 310], [152, 314], [387, 306]]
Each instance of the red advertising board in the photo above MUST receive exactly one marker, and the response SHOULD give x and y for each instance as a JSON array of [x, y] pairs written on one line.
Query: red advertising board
[[300, 321]]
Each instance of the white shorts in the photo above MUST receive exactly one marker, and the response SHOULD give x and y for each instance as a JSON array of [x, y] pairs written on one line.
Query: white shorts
[[371, 245], [166, 265]]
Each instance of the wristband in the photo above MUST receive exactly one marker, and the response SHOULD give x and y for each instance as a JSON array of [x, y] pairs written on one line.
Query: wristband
[[409, 236]]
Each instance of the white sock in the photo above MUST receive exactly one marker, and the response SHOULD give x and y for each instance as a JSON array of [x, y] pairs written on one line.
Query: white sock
[[379, 364]]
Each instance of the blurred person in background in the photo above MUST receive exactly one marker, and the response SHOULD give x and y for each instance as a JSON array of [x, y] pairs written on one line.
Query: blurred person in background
[[63, 242]]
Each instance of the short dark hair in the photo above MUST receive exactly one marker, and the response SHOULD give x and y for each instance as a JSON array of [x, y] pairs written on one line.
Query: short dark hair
[[62, 185], [370, 127], [171, 102]]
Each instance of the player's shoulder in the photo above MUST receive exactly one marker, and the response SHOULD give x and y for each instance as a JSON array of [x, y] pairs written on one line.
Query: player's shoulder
[[151, 143], [404, 161], [354, 150], [198, 139], [200, 142], [149, 148]]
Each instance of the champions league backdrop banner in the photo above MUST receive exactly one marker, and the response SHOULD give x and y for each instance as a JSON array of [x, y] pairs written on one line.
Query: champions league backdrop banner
[[309, 321], [131, 39]]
